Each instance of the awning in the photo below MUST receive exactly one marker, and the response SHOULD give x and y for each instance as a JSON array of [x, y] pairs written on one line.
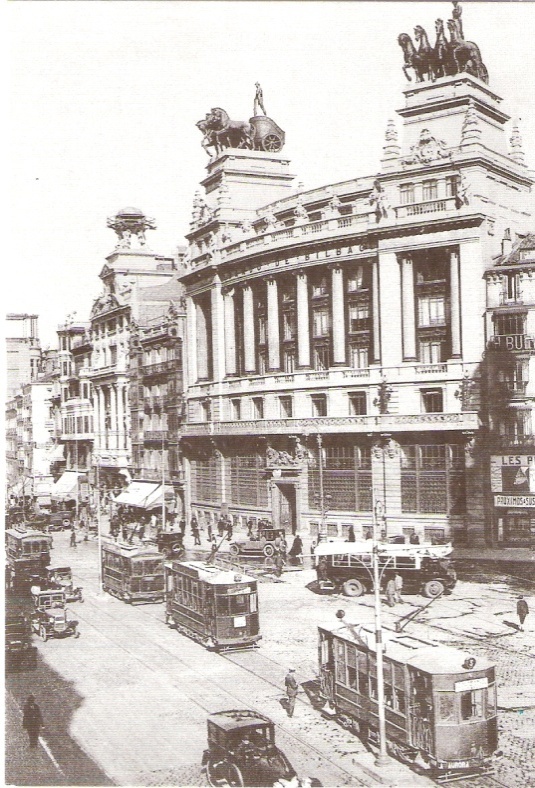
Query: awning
[[136, 494], [156, 498], [66, 486], [56, 453]]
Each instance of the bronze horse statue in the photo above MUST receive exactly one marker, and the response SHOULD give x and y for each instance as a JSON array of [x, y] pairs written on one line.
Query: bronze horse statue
[[426, 53], [231, 133], [444, 60], [420, 61], [466, 54]]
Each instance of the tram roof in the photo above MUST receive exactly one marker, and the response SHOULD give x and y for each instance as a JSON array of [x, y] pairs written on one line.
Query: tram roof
[[131, 550], [407, 649], [384, 548], [20, 533], [213, 574]]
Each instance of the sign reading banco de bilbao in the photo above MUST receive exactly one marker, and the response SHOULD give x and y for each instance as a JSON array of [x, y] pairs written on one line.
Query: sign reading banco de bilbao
[[513, 477], [518, 342]]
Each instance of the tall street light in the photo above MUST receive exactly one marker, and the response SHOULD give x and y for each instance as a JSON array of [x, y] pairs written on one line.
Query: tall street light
[[382, 758]]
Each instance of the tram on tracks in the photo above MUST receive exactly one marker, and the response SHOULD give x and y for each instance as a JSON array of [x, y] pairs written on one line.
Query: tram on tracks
[[440, 702], [134, 573], [27, 557], [216, 607]]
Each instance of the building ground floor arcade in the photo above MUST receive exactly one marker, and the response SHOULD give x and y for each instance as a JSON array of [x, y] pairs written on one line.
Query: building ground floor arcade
[[423, 482]]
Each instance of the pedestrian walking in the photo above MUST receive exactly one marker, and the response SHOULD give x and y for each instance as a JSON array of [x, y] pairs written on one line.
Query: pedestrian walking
[[32, 720], [292, 688], [195, 530], [209, 532], [72, 542], [279, 563], [351, 534], [182, 525], [391, 592], [522, 610], [296, 550], [398, 585], [229, 530], [321, 570]]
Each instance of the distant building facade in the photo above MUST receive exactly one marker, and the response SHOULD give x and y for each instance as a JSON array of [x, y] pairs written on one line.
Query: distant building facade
[[23, 351]]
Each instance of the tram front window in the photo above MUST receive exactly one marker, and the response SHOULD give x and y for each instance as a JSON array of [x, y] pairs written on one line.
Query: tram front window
[[471, 705], [234, 605]]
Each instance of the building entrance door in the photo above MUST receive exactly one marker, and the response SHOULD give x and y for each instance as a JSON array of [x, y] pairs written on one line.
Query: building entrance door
[[287, 508]]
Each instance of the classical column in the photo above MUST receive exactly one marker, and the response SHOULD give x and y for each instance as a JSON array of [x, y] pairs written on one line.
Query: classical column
[[249, 338], [201, 350], [191, 344], [230, 333], [376, 328], [218, 341], [407, 299], [114, 443], [120, 416], [101, 426], [303, 324], [455, 305], [338, 317], [273, 325]]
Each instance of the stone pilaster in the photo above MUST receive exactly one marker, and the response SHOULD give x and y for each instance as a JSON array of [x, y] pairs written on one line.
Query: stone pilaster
[[338, 317], [455, 305], [249, 330], [408, 315], [230, 333], [303, 321], [273, 325]]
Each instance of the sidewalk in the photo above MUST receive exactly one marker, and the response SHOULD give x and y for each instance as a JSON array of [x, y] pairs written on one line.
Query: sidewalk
[[505, 555]]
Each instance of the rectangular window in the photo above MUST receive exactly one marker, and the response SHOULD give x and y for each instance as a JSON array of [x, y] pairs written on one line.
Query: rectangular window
[[286, 407], [113, 354], [262, 330], [433, 479], [471, 704], [319, 404], [322, 357], [406, 193], [432, 400], [429, 190], [262, 362], [358, 405], [288, 325], [289, 361], [359, 317], [431, 311], [235, 409], [452, 186], [431, 351], [320, 288], [320, 322], [258, 408], [359, 357], [248, 486], [507, 325], [355, 280]]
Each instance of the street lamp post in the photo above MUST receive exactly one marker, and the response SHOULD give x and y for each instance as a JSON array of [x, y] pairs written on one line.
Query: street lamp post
[[99, 532], [163, 480], [324, 500], [382, 758]]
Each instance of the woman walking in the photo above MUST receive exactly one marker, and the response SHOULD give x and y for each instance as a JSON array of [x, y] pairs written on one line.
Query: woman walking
[[32, 720]]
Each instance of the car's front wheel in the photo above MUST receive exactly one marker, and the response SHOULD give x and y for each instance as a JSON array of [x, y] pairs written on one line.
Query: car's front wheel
[[217, 773], [43, 634]]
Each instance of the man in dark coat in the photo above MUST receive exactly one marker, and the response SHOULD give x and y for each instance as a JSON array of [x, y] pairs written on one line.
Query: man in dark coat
[[292, 688], [195, 530], [296, 550], [522, 611], [32, 720]]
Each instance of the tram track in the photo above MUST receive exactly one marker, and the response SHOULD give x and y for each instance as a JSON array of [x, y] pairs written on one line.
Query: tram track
[[350, 777]]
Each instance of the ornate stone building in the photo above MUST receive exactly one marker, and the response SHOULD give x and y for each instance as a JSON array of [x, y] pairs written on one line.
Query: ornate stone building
[[335, 336]]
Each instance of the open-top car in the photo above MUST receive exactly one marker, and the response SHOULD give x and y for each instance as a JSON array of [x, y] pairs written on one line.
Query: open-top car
[[242, 751], [265, 541], [49, 618], [60, 521], [60, 578]]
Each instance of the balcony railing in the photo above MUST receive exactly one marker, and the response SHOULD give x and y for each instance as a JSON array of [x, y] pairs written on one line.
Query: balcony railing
[[171, 365], [429, 206], [155, 435], [513, 300]]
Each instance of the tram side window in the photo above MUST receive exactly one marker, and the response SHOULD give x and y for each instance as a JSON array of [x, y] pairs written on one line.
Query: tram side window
[[253, 603], [352, 674], [491, 700], [446, 708], [238, 604], [471, 704], [340, 662], [389, 690], [399, 688]]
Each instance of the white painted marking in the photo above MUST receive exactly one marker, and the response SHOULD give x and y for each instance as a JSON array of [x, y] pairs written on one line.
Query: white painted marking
[[48, 751]]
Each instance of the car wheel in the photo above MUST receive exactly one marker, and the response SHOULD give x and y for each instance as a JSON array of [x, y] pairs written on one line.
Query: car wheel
[[234, 549], [234, 776], [353, 588], [216, 772], [433, 588], [269, 550], [43, 633]]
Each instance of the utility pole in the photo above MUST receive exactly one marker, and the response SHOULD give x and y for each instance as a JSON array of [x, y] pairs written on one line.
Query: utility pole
[[163, 478], [382, 758], [322, 535], [99, 533]]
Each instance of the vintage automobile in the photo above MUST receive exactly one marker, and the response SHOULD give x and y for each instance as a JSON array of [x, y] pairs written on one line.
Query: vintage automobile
[[19, 650], [170, 543], [49, 618], [262, 542], [60, 521], [241, 751], [60, 578]]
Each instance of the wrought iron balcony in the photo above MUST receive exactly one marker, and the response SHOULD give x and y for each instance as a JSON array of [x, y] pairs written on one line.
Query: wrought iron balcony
[[155, 436]]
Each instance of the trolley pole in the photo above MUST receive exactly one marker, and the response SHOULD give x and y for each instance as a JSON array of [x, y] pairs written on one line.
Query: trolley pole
[[382, 758]]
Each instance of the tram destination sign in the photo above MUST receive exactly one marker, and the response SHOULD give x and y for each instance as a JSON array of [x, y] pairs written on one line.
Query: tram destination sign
[[471, 684], [515, 501]]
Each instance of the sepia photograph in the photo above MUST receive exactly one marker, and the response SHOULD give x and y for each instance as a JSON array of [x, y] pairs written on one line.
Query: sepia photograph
[[269, 369]]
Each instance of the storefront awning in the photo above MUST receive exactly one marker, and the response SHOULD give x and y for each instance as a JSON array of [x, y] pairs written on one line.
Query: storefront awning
[[66, 486], [137, 493], [156, 498], [56, 453]]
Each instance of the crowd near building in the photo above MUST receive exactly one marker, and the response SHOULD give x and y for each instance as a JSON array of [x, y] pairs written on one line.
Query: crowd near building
[[311, 357]]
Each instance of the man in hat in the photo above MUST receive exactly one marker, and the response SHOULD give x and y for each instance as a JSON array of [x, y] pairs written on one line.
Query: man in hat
[[32, 720], [522, 611], [292, 688]]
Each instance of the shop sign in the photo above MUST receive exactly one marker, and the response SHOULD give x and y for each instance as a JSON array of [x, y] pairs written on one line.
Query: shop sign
[[512, 473], [520, 342], [515, 501]]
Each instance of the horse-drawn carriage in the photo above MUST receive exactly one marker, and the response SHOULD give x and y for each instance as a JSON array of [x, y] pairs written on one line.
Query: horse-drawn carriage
[[259, 133]]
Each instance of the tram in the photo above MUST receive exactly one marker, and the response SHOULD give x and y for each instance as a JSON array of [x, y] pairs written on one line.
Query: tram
[[440, 702], [133, 573], [216, 607], [27, 556]]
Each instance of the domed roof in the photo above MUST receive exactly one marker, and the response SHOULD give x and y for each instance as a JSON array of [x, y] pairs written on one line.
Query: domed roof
[[130, 212]]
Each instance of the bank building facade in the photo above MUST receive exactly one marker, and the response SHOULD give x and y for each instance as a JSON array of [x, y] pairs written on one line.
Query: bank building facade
[[336, 335]]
